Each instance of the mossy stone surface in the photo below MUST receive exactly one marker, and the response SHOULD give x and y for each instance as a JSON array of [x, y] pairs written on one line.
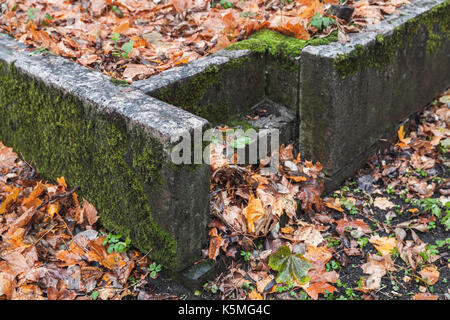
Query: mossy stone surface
[[435, 24]]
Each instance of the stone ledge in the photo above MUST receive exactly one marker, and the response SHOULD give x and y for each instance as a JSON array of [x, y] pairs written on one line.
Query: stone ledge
[[114, 142]]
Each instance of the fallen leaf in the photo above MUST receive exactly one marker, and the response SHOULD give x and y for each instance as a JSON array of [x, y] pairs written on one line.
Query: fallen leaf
[[430, 274], [384, 245], [314, 289], [425, 296], [383, 203]]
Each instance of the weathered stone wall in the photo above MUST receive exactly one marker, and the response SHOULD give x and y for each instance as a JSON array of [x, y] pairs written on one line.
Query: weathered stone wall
[[353, 95], [218, 88], [114, 142]]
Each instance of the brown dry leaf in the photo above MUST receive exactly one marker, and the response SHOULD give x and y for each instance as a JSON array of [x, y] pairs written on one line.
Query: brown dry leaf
[[384, 245], [376, 267], [309, 235], [382, 203], [425, 296], [217, 158], [358, 224], [6, 285], [334, 203], [89, 212], [16, 262], [310, 196], [216, 242], [98, 253], [430, 274]]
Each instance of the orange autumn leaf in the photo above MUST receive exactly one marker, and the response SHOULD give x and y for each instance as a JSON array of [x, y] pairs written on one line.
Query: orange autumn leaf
[[10, 199], [75, 199], [313, 290], [297, 178], [52, 209], [138, 42], [384, 245], [254, 295], [403, 142], [62, 182], [318, 255], [98, 253], [16, 239], [32, 200], [315, 7], [253, 212], [334, 204], [229, 21], [287, 230], [122, 28]]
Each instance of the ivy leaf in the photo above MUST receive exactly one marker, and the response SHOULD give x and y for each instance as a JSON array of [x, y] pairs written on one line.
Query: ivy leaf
[[290, 267]]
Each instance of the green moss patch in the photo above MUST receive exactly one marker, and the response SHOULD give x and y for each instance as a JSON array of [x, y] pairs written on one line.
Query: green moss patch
[[112, 164], [282, 47], [435, 22], [188, 94]]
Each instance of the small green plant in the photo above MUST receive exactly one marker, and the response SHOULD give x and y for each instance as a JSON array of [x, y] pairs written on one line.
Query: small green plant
[[241, 142], [363, 242], [332, 265], [320, 22], [117, 11], [225, 4], [333, 242], [154, 269], [287, 287], [126, 48], [390, 189], [430, 250], [394, 253], [246, 255], [31, 13], [114, 243], [247, 287], [94, 295], [210, 287], [422, 172], [431, 225], [119, 82]]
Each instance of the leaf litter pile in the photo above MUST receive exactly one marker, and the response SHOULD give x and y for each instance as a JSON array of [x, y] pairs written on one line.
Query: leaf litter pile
[[134, 39], [52, 246], [385, 234]]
